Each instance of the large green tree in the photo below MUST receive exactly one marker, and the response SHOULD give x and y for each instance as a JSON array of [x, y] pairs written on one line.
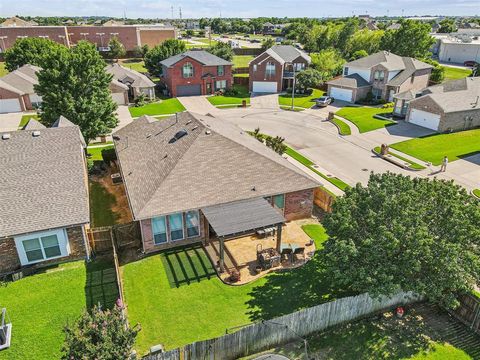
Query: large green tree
[[411, 39], [309, 78], [31, 51], [75, 84], [404, 234], [158, 53], [222, 50], [366, 40], [117, 50], [447, 26], [328, 62]]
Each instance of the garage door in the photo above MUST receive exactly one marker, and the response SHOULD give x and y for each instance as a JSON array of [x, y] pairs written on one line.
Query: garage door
[[341, 94], [119, 98], [189, 90], [264, 87], [9, 105], [425, 119]]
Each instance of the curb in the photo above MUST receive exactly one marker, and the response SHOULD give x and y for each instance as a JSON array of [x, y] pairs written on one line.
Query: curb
[[393, 161]]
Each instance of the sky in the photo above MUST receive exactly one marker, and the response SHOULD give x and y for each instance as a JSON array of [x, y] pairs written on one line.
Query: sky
[[237, 8]]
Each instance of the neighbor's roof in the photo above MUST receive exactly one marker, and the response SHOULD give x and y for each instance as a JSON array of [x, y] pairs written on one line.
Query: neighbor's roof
[[202, 56], [406, 95], [455, 95], [43, 180], [411, 65], [351, 81], [215, 163], [22, 80], [16, 21], [124, 75], [385, 58], [33, 124], [287, 53]]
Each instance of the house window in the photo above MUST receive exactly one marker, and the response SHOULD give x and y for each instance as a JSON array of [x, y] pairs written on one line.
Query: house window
[[345, 71], [159, 228], [299, 66], [270, 69], [41, 246], [220, 84], [220, 70], [377, 94], [187, 70], [279, 201], [192, 219], [175, 221], [379, 75], [254, 67]]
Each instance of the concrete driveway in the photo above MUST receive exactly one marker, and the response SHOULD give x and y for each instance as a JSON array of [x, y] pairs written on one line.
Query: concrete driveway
[[264, 101], [10, 121], [198, 104]]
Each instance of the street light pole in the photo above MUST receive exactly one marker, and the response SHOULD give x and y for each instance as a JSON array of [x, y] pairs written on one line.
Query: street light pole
[[293, 87]]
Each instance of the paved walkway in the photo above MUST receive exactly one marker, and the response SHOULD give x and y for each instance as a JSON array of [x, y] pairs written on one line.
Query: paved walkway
[[10, 121], [264, 101], [198, 105]]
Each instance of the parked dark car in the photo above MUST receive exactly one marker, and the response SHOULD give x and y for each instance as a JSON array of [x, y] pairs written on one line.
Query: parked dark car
[[470, 63], [323, 101]]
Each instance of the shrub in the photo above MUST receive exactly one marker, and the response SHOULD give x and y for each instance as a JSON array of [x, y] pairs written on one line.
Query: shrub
[[140, 100], [231, 92], [109, 155], [388, 105]]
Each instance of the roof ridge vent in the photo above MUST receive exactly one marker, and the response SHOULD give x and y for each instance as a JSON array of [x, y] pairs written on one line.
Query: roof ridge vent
[[5, 136], [36, 133]]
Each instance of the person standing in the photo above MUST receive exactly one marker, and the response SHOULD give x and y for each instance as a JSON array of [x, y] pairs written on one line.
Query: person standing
[[443, 168]]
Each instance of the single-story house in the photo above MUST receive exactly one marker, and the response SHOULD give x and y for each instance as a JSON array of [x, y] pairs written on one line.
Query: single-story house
[[43, 195], [190, 178], [273, 70], [119, 92], [451, 106], [382, 74], [16, 90], [136, 82], [196, 72]]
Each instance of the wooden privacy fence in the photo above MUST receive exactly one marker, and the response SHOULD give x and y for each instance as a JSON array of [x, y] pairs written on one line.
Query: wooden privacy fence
[[284, 329], [323, 199], [247, 51], [101, 239], [241, 70], [468, 312], [241, 80]]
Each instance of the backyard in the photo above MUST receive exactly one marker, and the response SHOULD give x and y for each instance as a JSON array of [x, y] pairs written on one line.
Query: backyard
[[300, 100], [177, 297], [26, 118], [433, 148], [222, 101], [40, 305], [134, 64], [101, 205], [454, 73], [162, 107], [363, 117], [241, 61]]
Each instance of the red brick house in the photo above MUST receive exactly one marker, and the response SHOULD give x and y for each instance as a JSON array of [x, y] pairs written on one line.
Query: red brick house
[[273, 70], [43, 196], [196, 72], [190, 178]]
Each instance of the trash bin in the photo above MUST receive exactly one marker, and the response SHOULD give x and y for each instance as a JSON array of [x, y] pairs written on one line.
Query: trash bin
[[244, 103]]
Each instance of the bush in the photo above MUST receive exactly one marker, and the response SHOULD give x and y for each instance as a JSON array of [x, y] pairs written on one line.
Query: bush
[[231, 92], [140, 100], [388, 105], [109, 155], [90, 165]]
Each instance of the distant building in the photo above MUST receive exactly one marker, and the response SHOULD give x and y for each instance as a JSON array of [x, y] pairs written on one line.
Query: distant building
[[459, 48], [16, 21], [113, 23]]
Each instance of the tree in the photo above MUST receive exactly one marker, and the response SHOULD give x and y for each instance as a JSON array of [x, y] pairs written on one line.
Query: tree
[[358, 54], [348, 29], [31, 51], [267, 43], [276, 144], [438, 71], [161, 52], [309, 78], [190, 32], [447, 26], [366, 40], [412, 39], [99, 334], [76, 86], [222, 50], [404, 234], [328, 62], [117, 49]]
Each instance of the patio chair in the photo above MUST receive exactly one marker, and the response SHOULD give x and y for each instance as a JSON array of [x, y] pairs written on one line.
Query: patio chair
[[286, 254]]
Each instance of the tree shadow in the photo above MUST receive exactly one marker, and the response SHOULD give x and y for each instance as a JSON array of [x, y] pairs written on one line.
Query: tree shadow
[[101, 284]]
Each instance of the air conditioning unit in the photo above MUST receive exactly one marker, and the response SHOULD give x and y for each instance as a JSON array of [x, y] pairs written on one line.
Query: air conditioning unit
[[116, 178], [104, 48]]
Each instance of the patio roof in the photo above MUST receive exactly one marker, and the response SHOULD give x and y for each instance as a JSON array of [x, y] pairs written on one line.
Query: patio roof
[[242, 216]]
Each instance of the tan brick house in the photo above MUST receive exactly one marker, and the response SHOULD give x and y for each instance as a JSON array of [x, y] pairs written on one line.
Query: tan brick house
[[196, 72], [17, 90], [43, 196], [274, 69], [189, 178], [384, 74]]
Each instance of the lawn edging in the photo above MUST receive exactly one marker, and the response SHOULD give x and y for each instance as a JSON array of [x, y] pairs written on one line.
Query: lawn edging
[[476, 193], [401, 162], [342, 127]]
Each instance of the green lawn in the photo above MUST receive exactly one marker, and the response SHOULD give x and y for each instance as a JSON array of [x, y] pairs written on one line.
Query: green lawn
[[477, 192], [134, 64], [434, 147], [243, 94], [242, 60], [96, 152], [363, 117], [452, 73], [343, 128], [165, 106], [241, 75], [413, 165], [39, 306], [26, 118], [101, 203], [3, 70], [178, 299], [303, 101]]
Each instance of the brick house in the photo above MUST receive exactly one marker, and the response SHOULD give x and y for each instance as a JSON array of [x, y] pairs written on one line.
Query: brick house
[[383, 74], [274, 69], [190, 178], [43, 196], [136, 83], [17, 92], [196, 72], [451, 106]]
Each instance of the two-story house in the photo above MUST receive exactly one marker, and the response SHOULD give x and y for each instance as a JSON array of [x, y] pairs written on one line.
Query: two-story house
[[273, 70], [383, 74], [196, 72]]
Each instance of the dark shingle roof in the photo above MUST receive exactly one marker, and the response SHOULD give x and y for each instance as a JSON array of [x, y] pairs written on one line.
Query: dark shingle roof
[[43, 180], [351, 81], [215, 163], [202, 56], [288, 53]]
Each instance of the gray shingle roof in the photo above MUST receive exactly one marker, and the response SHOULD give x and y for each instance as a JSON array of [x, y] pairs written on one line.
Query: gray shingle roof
[[288, 53], [411, 65], [23, 79], [389, 60], [43, 181], [202, 56], [351, 81], [215, 163], [33, 124], [123, 75]]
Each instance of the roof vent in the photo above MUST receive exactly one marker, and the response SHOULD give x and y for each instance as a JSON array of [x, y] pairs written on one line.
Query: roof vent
[[5, 136], [207, 132], [188, 122], [36, 133], [195, 127]]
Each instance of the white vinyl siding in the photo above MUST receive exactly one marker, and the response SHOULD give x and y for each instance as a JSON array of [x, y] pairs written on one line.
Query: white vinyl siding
[[364, 73], [41, 246]]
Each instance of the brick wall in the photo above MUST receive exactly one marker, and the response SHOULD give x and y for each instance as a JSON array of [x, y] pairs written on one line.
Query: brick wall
[[259, 75], [55, 33], [298, 204], [9, 260], [126, 34], [152, 37]]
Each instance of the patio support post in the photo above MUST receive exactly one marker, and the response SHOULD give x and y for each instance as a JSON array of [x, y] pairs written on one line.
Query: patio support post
[[279, 238], [222, 256]]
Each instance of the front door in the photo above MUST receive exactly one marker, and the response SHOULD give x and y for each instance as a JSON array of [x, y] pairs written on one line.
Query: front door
[[209, 88]]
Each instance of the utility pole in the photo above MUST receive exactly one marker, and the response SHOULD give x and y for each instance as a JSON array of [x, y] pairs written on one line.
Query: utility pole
[[172, 11], [293, 87], [180, 12]]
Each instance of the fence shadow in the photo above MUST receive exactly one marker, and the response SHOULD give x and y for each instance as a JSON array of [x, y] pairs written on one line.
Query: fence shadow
[[186, 265], [101, 286]]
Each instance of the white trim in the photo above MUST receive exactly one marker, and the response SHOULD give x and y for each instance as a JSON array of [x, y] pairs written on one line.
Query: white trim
[[62, 242], [85, 242]]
